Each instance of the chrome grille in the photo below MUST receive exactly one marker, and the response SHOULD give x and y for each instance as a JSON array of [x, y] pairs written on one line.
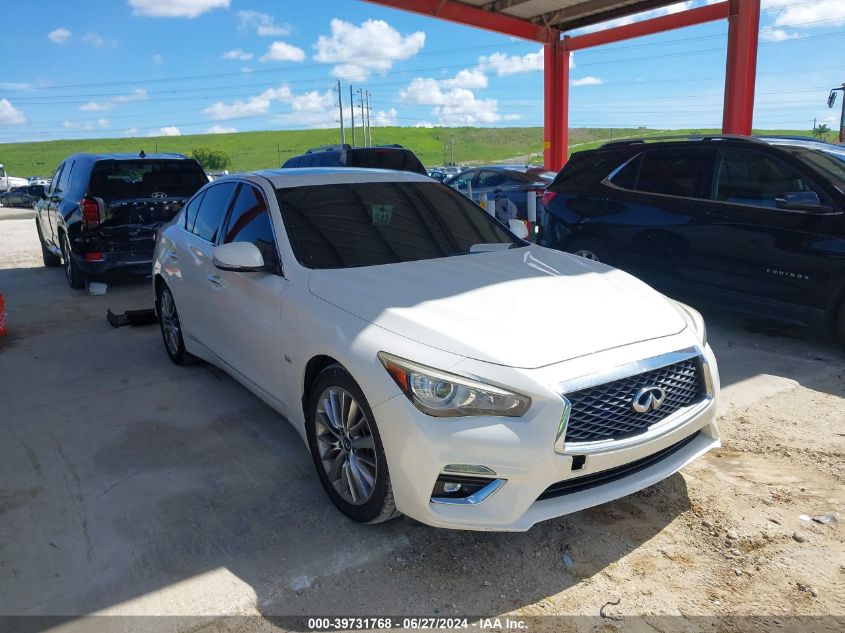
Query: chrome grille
[[606, 411]]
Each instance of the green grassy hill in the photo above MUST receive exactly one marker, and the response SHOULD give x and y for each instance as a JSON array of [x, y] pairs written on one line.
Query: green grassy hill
[[258, 150]]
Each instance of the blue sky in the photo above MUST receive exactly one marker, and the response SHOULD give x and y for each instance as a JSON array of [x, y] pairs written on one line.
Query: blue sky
[[106, 68]]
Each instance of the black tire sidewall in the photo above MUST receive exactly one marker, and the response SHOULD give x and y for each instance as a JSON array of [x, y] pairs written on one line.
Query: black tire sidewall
[[76, 279], [337, 376]]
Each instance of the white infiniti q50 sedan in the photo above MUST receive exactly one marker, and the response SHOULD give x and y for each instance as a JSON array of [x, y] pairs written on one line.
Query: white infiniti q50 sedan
[[435, 363]]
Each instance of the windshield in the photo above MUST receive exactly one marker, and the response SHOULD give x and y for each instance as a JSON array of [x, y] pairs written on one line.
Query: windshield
[[124, 179], [367, 224]]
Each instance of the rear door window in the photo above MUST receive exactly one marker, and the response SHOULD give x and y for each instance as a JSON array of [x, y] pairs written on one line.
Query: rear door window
[[250, 222], [191, 211], [756, 178], [212, 210], [490, 179], [672, 172], [64, 179]]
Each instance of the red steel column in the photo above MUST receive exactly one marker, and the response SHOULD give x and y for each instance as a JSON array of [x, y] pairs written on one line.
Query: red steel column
[[741, 71], [556, 105]]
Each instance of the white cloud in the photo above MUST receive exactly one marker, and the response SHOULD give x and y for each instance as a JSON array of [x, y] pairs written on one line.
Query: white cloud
[[133, 131], [9, 114], [425, 124], [453, 106], [237, 54], [175, 8], [14, 85], [246, 69], [86, 126], [384, 119], [791, 13], [283, 52], [169, 130], [253, 106], [158, 59], [263, 23], [589, 80], [360, 50], [469, 78], [504, 65], [59, 36], [777, 35], [98, 106], [221, 129]]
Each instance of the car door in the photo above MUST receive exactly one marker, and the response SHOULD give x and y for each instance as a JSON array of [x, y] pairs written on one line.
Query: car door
[[756, 248], [245, 307], [45, 211], [656, 230], [194, 254]]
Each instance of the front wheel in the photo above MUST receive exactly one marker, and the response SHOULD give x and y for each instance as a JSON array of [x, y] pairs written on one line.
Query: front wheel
[[590, 249], [171, 329], [346, 448], [4, 202]]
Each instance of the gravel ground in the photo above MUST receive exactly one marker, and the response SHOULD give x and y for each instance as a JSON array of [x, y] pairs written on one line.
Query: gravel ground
[[731, 535]]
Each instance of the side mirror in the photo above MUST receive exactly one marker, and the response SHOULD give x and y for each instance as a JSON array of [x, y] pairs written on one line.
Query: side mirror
[[831, 98], [43, 194], [799, 201], [518, 228], [240, 257]]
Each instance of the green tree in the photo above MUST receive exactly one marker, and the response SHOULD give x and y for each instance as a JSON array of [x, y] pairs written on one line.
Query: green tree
[[821, 131], [211, 159]]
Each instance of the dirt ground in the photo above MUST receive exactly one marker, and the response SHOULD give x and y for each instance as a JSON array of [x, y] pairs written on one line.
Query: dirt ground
[[731, 535]]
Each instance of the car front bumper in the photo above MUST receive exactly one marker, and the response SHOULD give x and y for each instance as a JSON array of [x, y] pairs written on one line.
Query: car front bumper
[[522, 453]]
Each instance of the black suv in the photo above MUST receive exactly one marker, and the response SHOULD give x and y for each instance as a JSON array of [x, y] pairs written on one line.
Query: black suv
[[393, 157], [101, 211], [756, 222]]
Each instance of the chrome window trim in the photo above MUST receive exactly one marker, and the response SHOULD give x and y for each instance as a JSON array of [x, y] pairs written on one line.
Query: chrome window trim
[[475, 498], [628, 370]]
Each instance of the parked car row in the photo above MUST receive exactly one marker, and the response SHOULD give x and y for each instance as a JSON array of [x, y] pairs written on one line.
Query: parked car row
[[27, 196]]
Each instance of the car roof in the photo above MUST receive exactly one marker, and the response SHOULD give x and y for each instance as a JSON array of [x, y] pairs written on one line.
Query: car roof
[[127, 156], [305, 176]]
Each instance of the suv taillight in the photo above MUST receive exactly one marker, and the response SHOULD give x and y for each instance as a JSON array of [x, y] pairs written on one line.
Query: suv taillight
[[90, 213], [548, 197]]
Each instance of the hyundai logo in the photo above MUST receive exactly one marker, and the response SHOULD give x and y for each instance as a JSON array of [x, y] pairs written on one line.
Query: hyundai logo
[[648, 399], [159, 194]]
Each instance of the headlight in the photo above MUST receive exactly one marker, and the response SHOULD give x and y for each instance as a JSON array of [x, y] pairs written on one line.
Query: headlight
[[442, 394], [695, 318]]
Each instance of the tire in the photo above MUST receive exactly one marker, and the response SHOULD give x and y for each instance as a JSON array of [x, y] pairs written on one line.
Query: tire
[[171, 328], [354, 477], [4, 202], [75, 277], [591, 249], [50, 259]]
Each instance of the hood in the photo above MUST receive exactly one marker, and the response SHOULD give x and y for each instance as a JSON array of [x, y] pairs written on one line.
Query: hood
[[524, 307]]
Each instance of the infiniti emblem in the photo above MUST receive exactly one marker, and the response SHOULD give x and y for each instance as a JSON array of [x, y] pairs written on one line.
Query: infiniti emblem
[[159, 194], [648, 399]]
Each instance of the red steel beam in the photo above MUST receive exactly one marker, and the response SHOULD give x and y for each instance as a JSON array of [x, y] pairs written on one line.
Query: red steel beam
[[473, 16], [691, 17], [741, 70], [556, 105]]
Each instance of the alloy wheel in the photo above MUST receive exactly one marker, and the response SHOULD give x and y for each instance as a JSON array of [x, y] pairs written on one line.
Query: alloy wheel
[[169, 322], [587, 254], [66, 257], [346, 446]]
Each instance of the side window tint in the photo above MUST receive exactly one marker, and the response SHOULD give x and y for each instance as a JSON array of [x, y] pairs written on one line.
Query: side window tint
[[250, 222], [671, 172], [490, 179], [64, 179], [54, 179], [191, 210], [212, 209], [461, 183], [756, 178], [628, 175]]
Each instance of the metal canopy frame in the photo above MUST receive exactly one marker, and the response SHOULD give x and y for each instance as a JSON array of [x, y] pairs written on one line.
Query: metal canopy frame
[[506, 17]]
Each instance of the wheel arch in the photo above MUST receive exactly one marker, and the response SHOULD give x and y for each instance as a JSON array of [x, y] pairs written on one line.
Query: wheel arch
[[312, 369]]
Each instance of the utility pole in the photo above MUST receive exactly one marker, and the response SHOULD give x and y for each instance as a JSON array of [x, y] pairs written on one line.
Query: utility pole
[[352, 113], [453, 150], [369, 126], [278, 155], [340, 109], [363, 119], [831, 99]]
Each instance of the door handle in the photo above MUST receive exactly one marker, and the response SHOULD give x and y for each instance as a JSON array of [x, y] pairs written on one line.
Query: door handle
[[214, 280]]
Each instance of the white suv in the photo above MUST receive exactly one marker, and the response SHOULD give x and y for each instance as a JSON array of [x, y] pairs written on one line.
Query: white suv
[[381, 313]]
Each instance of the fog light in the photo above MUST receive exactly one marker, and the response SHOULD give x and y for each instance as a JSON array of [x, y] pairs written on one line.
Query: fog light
[[460, 490], [451, 486]]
